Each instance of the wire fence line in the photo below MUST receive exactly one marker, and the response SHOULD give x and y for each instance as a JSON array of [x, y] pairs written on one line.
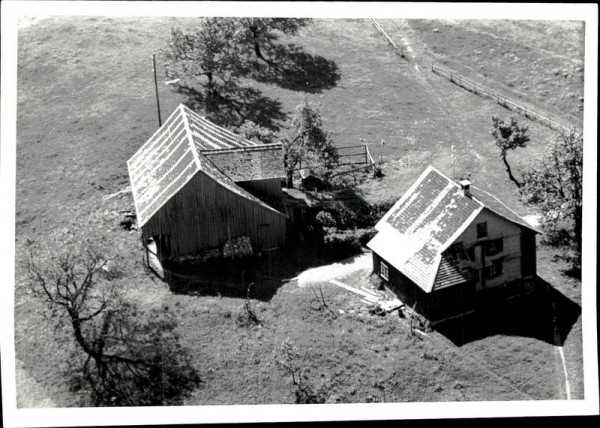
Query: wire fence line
[[459, 80]]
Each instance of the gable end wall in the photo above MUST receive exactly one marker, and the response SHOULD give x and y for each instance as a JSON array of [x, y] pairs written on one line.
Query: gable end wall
[[203, 215], [498, 227]]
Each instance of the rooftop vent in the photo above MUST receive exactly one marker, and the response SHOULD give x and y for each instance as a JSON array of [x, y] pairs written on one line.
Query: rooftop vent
[[465, 185]]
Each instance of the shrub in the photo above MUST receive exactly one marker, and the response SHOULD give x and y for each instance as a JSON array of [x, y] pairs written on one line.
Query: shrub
[[325, 219], [351, 216], [344, 242]]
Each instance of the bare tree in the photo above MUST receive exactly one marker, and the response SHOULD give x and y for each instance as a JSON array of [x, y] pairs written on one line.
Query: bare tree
[[132, 356]]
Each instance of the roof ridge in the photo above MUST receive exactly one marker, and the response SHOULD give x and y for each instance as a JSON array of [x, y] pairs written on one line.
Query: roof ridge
[[154, 134], [244, 149], [496, 198], [214, 128], [524, 222], [188, 131]]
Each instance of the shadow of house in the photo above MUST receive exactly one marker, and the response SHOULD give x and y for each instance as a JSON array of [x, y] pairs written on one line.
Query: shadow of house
[[544, 314]]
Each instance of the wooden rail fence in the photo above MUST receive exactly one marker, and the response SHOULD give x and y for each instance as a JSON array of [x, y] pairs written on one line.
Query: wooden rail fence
[[357, 157], [459, 80]]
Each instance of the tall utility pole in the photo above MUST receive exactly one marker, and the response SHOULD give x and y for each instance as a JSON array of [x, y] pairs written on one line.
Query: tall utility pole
[[156, 90]]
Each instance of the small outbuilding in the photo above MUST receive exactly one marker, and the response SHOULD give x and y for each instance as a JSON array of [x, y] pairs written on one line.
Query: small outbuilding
[[198, 186], [445, 243]]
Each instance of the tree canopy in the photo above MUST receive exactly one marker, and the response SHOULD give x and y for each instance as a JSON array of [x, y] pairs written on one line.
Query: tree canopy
[[509, 135], [306, 141], [211, 61], [554, 184]]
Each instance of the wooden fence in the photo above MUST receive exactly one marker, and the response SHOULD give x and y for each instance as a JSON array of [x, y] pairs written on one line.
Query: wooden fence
[[488, 93], [359, 155]]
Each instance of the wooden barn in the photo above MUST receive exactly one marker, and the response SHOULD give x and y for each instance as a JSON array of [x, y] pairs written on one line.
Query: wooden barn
[[197, 186], [444, 244]]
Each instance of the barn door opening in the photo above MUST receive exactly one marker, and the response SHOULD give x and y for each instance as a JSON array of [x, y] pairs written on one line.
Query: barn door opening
[[153, 255]]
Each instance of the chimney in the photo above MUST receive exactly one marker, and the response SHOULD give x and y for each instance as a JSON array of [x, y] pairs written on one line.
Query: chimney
[[465, 185]]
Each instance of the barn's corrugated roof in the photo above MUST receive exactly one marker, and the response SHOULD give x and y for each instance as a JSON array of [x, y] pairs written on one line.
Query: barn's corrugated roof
[[250, 163], [187, 143], [416, 231]]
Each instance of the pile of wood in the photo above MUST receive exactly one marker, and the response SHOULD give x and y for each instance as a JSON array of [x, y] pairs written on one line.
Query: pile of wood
[[201, 258], [238, 247], [372, 297]]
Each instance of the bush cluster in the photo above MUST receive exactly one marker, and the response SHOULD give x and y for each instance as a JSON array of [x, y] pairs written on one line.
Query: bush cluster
[[348, 227], [352, 216], [346, 241]]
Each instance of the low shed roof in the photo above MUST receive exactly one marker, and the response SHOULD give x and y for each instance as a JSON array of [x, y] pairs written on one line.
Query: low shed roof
[[427, 219], [186, 144]]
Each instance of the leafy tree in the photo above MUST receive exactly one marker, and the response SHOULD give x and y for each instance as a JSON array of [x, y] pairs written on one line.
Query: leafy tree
[[306, 141], [253, 132], [555, 185], [209, 55], [209, 63], [508, 136], [130, 356]]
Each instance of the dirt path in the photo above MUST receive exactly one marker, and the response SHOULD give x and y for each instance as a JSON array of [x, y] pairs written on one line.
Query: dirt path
[[564, 385], [346, 267]]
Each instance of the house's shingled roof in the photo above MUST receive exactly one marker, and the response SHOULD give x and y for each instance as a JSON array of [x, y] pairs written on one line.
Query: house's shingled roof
[[416, 231], [180, 148]]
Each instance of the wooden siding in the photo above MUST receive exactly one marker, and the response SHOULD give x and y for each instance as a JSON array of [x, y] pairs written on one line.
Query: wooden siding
[[267, 190], [204, 215], [434, 306]]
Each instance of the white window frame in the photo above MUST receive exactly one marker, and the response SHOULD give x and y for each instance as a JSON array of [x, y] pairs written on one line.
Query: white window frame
[[384, 270]]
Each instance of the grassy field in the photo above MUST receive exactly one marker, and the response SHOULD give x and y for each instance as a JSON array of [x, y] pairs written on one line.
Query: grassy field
[[86, 103]]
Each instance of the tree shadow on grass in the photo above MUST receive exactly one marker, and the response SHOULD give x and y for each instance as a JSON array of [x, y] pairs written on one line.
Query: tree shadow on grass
[[544, 314], [292, 68], [233, 105]]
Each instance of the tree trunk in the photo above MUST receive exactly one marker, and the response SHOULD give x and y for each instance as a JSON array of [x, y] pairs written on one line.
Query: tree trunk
[[510, 174], [257, 49]]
